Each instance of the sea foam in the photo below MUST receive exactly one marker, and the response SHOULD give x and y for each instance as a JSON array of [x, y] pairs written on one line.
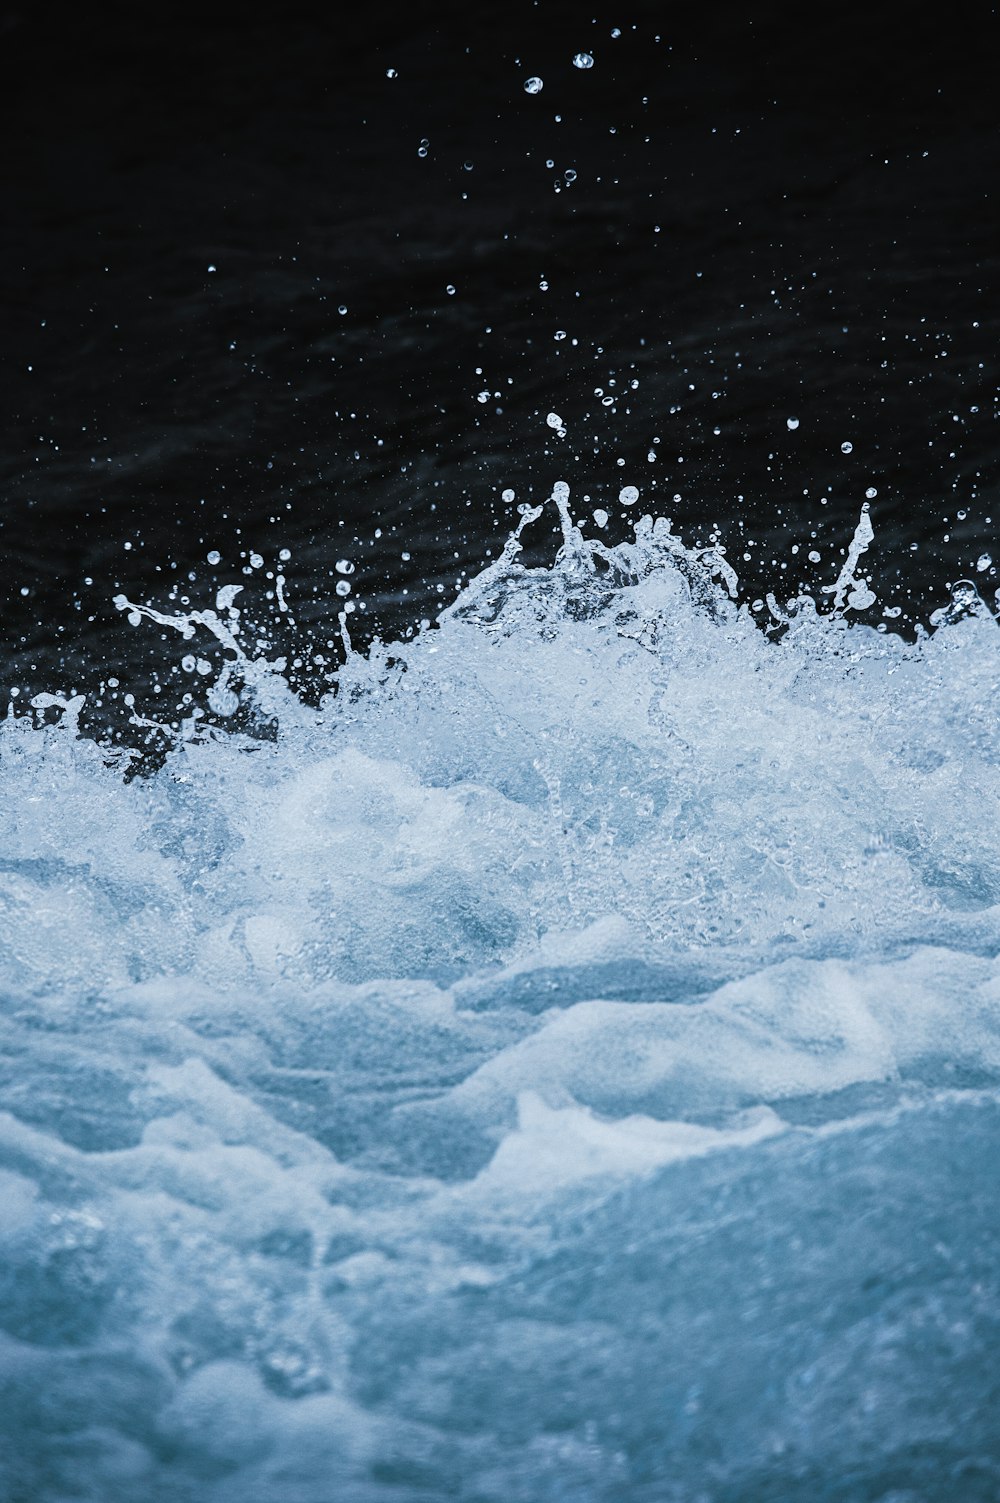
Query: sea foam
[[561, 1065]]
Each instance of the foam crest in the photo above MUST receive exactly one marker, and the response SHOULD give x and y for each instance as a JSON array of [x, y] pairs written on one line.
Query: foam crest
[[569, 1052]]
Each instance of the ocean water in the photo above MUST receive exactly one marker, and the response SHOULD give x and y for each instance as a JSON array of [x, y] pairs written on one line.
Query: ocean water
[[562, 1065]]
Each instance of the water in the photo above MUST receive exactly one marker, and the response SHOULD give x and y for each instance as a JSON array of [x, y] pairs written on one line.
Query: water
[[565, 1064], [547, 1054]]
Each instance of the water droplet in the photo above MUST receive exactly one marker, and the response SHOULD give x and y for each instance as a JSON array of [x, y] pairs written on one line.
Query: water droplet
[[422, 148], [651, 456], [570, 175], [983, 562], [846, 448], [483, 396], [214, 556], [212, 268], [601, 517], [871, 493], [256, 562], [344, 566], [793, 423], [466, 166], [628, 495], [391, 73], [559, 334], [814, 557], [343, 587], [450, 290], [507, 495], [342, 309], [583, 60], [533, 85]]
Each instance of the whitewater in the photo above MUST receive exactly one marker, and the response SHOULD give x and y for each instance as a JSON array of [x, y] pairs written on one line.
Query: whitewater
[[564, 1064]]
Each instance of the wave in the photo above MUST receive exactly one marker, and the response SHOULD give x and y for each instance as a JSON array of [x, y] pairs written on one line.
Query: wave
[[562, 1064]]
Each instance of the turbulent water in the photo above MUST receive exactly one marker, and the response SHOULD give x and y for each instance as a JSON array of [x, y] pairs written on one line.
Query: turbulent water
[[565, 1065]]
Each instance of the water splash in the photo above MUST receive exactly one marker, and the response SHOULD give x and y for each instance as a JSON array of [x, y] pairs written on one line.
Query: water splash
[[565, 1063]]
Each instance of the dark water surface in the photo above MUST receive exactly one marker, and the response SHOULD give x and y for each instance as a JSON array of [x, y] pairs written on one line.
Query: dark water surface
[[774, 216]]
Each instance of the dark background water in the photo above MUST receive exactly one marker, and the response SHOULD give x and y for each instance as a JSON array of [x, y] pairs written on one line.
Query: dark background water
[[229, 323]]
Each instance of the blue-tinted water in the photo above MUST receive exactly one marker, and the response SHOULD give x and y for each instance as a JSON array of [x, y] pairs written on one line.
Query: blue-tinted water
[[563, 1066]]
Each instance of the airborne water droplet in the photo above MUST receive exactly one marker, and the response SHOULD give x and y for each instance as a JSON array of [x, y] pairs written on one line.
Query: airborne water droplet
[[628, 495], [533, 86], [583, 60]]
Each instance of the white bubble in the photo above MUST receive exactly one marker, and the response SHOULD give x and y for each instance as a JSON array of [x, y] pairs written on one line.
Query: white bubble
[[483, 396], [559, 334], [342, 309], [628, 495], [846, 448], [344, 566], [555, 421], [507, 495], [214, 556], [422, 148], [256, 561], [450, 289], [601, 517], [533, 85], [391, 73], [570, 175], [651, 456], [814, 557], [792, 422], [343, 587], [583, 60], [983, 562], [871, 493]]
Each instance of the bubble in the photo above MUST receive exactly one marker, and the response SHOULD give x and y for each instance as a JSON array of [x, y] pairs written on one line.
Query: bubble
[[846, 447], [342, 309], [793, 423], [423, 147], [583, 60], [555, 421], [651, 456], [344, 566], [570, 175], [628, 495], [214, 556], [983, 562], [507, 495], [450, 289], [467, 166], [343, 587], [871, 493], [961, 515], [391, 73], [256, 561], [285, 554], [601, 517], [814, 557], [559, 334], [533, 85], [483, 396]]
